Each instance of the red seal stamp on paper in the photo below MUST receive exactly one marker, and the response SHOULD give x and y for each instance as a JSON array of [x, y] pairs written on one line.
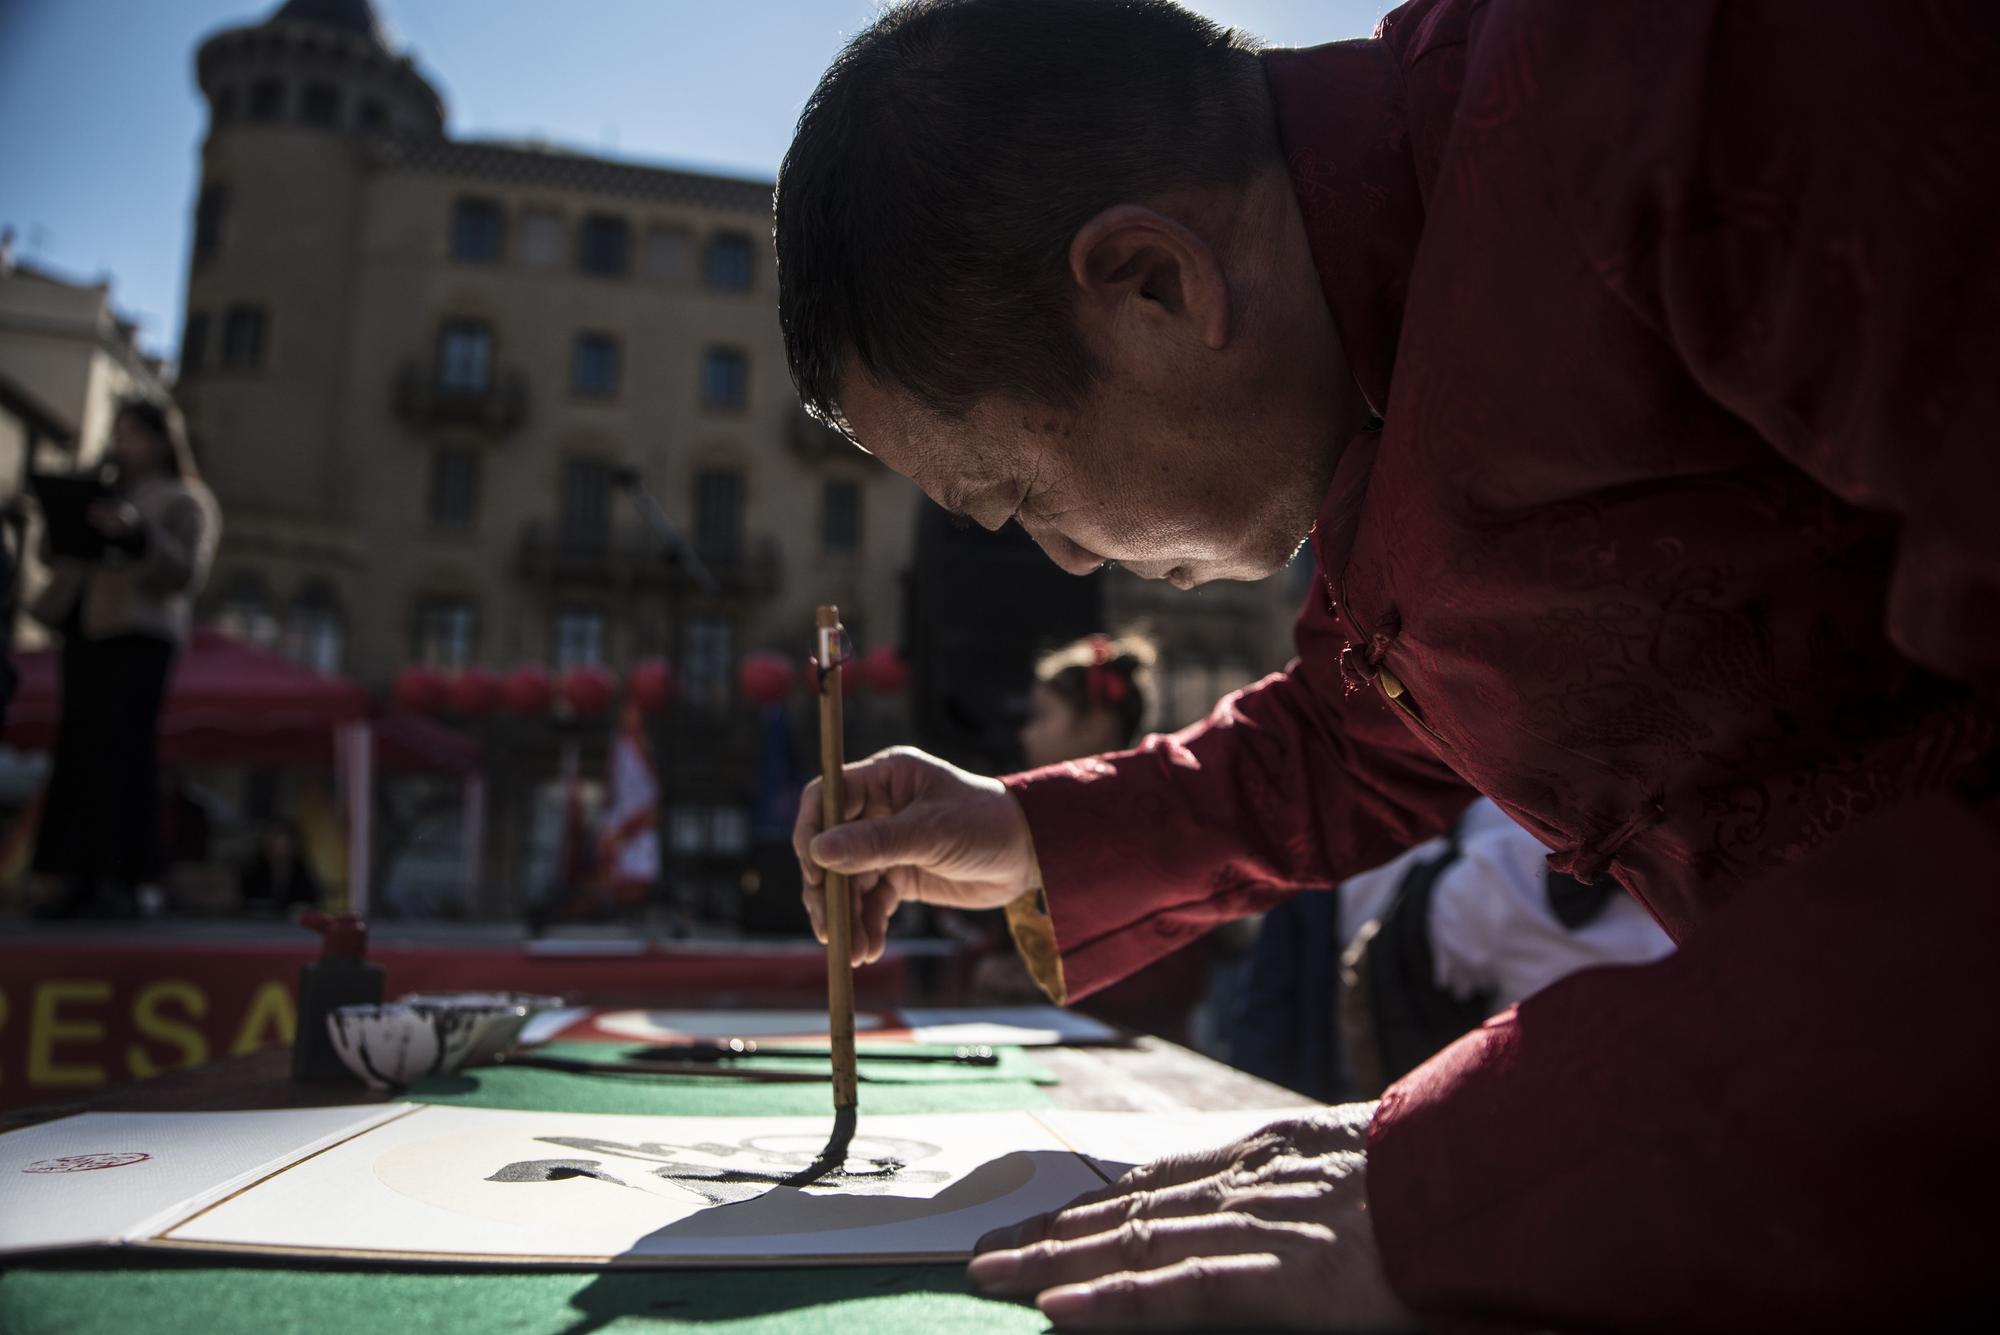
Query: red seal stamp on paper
[[84, 1163]]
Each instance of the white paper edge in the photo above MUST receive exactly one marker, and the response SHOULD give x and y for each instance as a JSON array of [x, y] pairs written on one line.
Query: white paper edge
[[545, 1025], [175, 1215], [1053, 1026], [1062, 1123]]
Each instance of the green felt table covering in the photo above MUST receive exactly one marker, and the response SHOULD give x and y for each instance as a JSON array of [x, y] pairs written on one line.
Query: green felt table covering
[[169, 1298], [889, 1087], [141, 1295]]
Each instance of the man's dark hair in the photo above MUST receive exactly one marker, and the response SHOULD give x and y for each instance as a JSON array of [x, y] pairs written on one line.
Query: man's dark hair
[[946, 160]]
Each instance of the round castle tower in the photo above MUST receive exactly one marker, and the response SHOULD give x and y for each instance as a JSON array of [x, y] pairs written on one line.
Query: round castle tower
[[294, 101]]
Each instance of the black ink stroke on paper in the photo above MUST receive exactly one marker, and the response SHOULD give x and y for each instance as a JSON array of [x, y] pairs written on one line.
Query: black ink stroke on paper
[[874, 1165]]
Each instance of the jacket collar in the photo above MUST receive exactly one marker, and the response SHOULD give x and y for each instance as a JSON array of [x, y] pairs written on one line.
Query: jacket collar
[[1343, 121]]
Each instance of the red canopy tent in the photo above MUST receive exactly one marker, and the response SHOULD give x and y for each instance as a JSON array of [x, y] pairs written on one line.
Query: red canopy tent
[[232, 704]]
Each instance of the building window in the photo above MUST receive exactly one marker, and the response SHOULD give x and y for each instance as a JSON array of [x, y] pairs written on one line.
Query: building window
[[444, 632], [243, 337], [585, 525], [840, 518], [687, 829], [225, 105], [576, 638], [243, 612], [465, 356], [373, 114], [665, 259], [541, 239], [729, 831], [725, 379], [194, 343], [320, 104], [454, 498], [209, 212], [593, 365], [313, 630], [475, 231], [711, 661], [267, 100], [718, 515], [731, 260], [717, 831], [604, 245]]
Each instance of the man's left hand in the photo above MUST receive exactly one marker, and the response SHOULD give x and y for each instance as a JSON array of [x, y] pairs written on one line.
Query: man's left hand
[[1270, 1231]]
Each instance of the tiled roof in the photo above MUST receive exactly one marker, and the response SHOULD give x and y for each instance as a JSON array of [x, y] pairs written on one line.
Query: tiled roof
[[568, 171]]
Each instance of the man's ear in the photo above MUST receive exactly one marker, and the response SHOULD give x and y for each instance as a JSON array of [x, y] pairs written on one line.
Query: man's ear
[[1129, 259]]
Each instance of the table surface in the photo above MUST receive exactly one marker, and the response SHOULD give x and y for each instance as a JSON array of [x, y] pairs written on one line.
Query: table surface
[[1144, 1075], [118, 1295]]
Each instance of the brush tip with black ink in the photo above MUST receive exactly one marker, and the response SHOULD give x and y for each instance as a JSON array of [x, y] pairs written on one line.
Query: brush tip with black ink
[[834, 1156]]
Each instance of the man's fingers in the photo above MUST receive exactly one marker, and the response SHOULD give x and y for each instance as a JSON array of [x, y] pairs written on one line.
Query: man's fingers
[[872, 921], [804, 827], [815, 901], [1187, 1198], [1172, 1171], [1176, 1171], [905, 838], [1200, 1292], [1137, 1244]]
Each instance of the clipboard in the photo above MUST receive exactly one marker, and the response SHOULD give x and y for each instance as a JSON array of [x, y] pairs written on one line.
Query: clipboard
[[66, 502]]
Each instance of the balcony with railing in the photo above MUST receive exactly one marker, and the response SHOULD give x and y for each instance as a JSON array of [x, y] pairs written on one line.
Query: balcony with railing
[[621, 557], [496, 405]]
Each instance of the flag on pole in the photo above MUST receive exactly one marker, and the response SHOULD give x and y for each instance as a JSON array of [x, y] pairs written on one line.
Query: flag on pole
[[628, 840], [577, 888]]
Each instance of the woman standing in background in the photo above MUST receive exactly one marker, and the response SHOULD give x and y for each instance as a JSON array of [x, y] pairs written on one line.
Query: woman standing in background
[[1095, 695], [121, 620]]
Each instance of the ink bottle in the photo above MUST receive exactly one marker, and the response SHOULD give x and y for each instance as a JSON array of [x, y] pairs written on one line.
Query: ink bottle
[[339, 977]]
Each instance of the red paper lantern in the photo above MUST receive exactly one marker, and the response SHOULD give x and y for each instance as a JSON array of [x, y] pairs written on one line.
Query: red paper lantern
[[652, 685], [528, 690], [765, 678], [475, 692], [421, 689], [588, 690], [886, 670]]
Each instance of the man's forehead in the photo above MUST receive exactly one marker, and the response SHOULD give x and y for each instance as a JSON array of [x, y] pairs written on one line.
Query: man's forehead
[[944, 455]]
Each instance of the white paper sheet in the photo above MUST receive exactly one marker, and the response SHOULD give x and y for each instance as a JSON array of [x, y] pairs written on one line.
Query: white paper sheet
[[1017, 1026], [1021, 1026], [684, 1026], [1117, 1141], [545, 1025], [475, 1184], [107, 1178]]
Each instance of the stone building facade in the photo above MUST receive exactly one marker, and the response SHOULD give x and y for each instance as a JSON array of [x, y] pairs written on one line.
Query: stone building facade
[[433, 382], [423, 372]]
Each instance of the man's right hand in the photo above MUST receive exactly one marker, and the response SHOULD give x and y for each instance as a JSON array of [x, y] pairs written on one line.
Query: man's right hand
[[915, 829]]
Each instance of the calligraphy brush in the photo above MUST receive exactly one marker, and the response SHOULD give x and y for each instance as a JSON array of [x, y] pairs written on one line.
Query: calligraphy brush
[[740, 1049], [839, 906], [582, 1066]]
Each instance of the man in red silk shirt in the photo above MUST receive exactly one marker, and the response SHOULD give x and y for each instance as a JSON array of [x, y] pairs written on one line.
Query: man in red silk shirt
[[1635, 368]]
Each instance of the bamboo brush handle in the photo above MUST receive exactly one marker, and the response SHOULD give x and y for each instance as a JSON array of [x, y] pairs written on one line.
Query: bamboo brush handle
[[839, 903]]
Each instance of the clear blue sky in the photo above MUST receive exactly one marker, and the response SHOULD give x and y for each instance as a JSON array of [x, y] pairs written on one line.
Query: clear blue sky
[[100, 120]]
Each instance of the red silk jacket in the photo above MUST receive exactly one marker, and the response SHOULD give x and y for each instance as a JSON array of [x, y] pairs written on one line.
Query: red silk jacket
[[1681, 540]]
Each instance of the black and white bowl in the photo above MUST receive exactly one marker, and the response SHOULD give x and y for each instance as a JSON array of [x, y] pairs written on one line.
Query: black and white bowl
[[397, 1044]]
